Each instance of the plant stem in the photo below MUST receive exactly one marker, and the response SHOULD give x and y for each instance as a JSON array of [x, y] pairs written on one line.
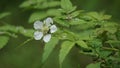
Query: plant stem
[[112, 49]]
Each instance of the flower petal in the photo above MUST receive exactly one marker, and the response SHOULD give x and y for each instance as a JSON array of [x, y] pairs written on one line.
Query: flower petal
[[53, 29], [38, 35], [49, 21], [38, 25], [47, 38]]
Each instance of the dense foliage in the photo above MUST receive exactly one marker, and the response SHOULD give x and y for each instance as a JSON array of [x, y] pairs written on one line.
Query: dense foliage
[[93, 33]]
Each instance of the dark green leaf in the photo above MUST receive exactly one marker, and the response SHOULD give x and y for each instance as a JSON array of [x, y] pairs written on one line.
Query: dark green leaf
[[82, 44], [37, 16], [10, 28], [65, 49], [27, 4], [94, 65], [49, 48], [3, 41], [2, 15], [27, 32]]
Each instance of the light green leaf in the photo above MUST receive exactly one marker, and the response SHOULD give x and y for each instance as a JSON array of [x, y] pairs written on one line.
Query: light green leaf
[[77, 21], [111, 27], [27, 4], [53, 12], [62, 23], [94, 65], [3, 41], [74, 14], [85, 35], [106, 17], [37, 16], [82, 44], [2, 15], [67, 6], [65, 49], [27, 32], [113, 41], [49, 48], [10, 28], [99, 16], [53, 4]]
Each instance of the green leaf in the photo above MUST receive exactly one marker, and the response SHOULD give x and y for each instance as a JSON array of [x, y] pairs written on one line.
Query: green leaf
[[62, 23], [104, 54], [27, 4], [86, 35], [82, 44], [67, 6], [74, 14], [53, 12], [3, 41], [77, 21], [95, 43], [2, 15], [27, 32], [94, 65], [111, 27], [53, 4], [65, 49], [99, 16], [10, 28], [49, 48], [106, 17], [113, 41], [37, 16]]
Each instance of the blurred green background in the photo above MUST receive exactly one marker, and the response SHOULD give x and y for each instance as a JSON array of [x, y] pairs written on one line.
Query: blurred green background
[[29, 55]]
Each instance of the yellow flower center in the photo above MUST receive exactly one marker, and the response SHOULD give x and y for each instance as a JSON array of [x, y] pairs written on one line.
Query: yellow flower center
[[45, 29]]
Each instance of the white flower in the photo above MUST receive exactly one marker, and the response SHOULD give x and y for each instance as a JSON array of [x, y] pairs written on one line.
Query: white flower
[[44, 29]]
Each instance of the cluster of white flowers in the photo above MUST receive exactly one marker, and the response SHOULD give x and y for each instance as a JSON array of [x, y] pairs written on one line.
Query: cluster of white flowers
[[44, 29]]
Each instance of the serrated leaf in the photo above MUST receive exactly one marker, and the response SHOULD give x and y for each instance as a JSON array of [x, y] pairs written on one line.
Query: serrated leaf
[[27, 32], [65, 49], [113, 41], [94, 65], [77, 21], [37, 16], [96, 43], [111, 27], [2, 15], [49, 48], [72, 9], [85, 35], [99, 16], [82, 44], [53, 12], [62, 23], [104, 54], [74, 14], [27, 4], [10, 28], [106, 17], [3, 41], [53, 4], [67, 6]]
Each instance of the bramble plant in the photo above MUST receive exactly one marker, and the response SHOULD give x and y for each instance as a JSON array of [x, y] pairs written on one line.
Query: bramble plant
[[93, 33]]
